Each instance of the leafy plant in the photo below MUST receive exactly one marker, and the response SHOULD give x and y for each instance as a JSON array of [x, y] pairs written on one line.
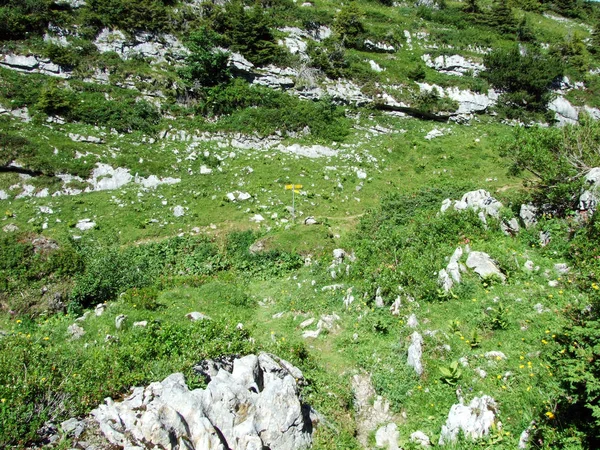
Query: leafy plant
[[451, 374], [454, 326], [498, 318], [474, 340]]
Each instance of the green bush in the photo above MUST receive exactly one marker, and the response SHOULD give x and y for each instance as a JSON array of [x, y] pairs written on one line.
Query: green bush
[[249, 32], [130, 15], [524, 79], [349, 26], [205, 66], [144, 298], [264, 264], [405, 240], [19, 19], [555, 160], [110, 270], [329, 57], [254, 109]]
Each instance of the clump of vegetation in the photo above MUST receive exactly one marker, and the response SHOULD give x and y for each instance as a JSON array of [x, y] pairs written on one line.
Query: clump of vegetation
[[524, 79]]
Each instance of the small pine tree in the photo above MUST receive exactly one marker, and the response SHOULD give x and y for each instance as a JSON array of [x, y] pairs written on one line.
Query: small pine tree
[[471, 6], [524, 31], [569, 8], [502, 18], [595, 39]]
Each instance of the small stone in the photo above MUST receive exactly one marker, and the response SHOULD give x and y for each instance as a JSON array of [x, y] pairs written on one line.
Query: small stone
[[420, 438], [140, 324], [100, 308], [415, 351], [178, 211], [387, 437], [75, 331], [195, 315], [412, 321], [495, 355], [120, 321], [307, 322]]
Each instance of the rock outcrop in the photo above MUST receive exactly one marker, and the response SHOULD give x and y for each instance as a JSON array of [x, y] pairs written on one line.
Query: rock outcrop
[[474, 420], [453, 65], [480, 200], [250, 404], [588, 200], [484, 266], [33, 64], [158, 48]]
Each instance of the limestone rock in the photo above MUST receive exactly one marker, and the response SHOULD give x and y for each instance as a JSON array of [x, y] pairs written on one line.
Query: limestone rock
[[75, 331], [420, 438], [495, 354], [195, 315], [395, 308], [178, 211], [415, 352], [255, 405], [120, 321], [85, 224], [483, 265], [371, 409], [10, 228], [453, 65], [100, 308], [387, 437], [412, 321], [474, 420], [588, 200], [528, 214]]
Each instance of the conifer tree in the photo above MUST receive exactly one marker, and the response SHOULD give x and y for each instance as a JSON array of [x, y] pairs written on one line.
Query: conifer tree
[[471, 6], [502, 18]]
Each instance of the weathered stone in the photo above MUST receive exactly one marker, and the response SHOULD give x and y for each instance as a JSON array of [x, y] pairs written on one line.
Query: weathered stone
[[371, 409], [178, 211], [474, 420], [483, 265], [120, 321], [415, 352], [75, 331], [528, 214], [195, 315], [100, 308], [420, 438], [85, 224], [453, 65], [255, 405], [387, 437]]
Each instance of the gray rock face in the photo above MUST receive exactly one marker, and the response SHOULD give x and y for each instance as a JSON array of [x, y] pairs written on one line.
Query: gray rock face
[[415, 352], [588, 200], [453, 65], [33, 64], [483, 265], [528, 214], [474, 420], [159, 48], [255, 405]]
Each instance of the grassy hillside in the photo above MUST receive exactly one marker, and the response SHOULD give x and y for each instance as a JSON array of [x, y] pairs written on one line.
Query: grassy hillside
[[141, 170]]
